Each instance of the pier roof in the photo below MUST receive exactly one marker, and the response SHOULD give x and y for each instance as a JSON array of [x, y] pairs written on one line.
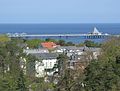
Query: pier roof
[[95, 31]]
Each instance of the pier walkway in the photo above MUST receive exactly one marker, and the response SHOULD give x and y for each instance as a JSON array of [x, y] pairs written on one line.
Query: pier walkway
[[95, 34]]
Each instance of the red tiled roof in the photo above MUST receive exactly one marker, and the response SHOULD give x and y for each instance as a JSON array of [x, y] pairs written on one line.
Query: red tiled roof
[[49, 45]]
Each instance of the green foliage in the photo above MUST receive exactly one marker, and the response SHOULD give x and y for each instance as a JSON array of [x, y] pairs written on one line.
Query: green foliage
[[62, 59], [70, 79], [118, 59], [12, 78], [80, 45], [104, 74], [90, 43], [34, 43], [61, 42], [102, 77], [21, 82], [5, 85], [10, 55], [51, 40], [66, 79], [70, 44], [40, 85], [111, 49], [4, 38], [30, 65]]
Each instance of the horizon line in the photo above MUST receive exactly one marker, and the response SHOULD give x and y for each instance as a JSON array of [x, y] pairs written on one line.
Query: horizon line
[[62, 23]]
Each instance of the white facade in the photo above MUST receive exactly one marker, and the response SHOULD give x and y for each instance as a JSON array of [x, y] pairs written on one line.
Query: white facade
[[49, 64], [80, 53], [46, 64], [40, 69], [96, 54]]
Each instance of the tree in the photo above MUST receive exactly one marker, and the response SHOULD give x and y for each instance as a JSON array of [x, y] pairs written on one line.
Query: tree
[[10, 55], [62, 63], [110, 49], [2, 59], [70, 44], [5, 85], [90, 43], [50, 40], [34, 43], [80, 45], [68, 77], [4, 38], [61, 42], [118, 59], [102, 77], [104, 74], [30, 66], [21, 82]]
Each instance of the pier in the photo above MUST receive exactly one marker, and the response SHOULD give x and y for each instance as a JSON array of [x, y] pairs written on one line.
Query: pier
[[95, 34]]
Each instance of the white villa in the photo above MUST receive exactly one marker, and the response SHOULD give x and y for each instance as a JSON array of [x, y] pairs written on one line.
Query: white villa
[[47, 64]]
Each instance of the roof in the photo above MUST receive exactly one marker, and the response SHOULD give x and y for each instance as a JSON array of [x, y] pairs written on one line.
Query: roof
[[70, 47], [40, 50], [95, 31], [49, 45], [95, 49], [46, 55], [75, 49]]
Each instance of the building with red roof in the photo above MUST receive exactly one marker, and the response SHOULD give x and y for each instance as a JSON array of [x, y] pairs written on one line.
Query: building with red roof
[[49, 45]]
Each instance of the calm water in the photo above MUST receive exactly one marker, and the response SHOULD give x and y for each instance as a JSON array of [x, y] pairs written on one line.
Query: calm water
[[60, 28]]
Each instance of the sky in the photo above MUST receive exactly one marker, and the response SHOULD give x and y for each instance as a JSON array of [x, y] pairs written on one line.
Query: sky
[[59, 11]]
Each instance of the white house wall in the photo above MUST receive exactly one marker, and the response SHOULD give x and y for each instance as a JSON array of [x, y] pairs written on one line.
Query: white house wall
[[49, 63], [39, 67], [46, 64]]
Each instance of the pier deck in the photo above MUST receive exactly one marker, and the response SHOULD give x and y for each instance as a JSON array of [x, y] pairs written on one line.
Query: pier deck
[[95, 34]]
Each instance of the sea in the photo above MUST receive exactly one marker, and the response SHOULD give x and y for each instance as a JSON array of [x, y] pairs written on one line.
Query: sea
[[61, 28]]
